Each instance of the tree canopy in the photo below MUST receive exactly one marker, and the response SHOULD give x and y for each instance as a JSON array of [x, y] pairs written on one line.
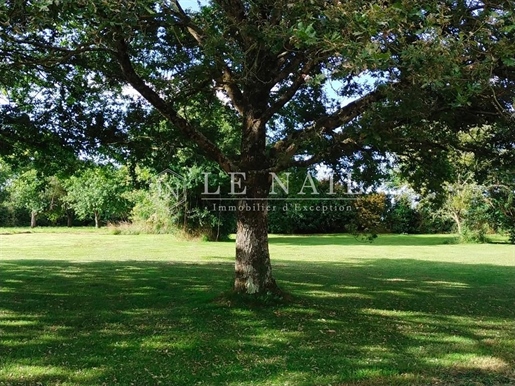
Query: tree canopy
[[418, 73]]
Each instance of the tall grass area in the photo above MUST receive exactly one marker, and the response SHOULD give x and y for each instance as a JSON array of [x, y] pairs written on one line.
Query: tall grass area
[[86, 307]]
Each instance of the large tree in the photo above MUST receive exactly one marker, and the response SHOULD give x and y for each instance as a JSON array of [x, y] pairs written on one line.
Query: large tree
[[293, 83]]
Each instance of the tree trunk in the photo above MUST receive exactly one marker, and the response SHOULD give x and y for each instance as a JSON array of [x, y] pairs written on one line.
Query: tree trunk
[[97, 221], [185, 218], [253, 270], [33, 218], [457, 220], [69, 218]]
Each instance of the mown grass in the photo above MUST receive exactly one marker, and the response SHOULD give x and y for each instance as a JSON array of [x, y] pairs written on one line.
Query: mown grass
[[91, 308]]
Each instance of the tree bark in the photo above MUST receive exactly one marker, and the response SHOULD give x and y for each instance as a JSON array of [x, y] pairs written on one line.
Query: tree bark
[[97, 221], [253, 270], [33, 219], [69, 218], [457, 220]]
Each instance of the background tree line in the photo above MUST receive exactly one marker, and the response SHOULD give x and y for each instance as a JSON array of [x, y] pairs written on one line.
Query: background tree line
[[134, 201]]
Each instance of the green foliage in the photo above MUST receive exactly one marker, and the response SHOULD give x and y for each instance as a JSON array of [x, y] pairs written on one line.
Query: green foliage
[[169, 203], [97, 193], [56, 193], [414, 70], [27, 191], [5, 175], [402, 216], [155, 208], [464, 203], [371, 209], [329, 209], [501, 202], [200, 218], [477, 234]]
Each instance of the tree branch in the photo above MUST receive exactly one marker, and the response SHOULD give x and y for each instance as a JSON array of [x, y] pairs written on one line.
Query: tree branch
[[288, 94], [167, 111], [185, 21], [53, 55], [226, 79], [227, 83], [306, 162], [348, 112], [234, 9], [328, 123]]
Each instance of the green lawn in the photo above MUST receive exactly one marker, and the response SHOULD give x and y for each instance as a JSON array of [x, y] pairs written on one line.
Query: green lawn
[[86, 307]]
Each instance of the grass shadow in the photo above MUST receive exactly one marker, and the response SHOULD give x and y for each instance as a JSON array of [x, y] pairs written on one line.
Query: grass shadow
[[374, 322]]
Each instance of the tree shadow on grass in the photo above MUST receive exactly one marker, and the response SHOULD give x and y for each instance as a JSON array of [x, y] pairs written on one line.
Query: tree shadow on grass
[[379, 322]]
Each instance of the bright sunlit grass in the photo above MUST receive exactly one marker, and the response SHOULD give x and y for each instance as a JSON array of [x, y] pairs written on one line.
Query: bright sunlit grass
[[84, 307]]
